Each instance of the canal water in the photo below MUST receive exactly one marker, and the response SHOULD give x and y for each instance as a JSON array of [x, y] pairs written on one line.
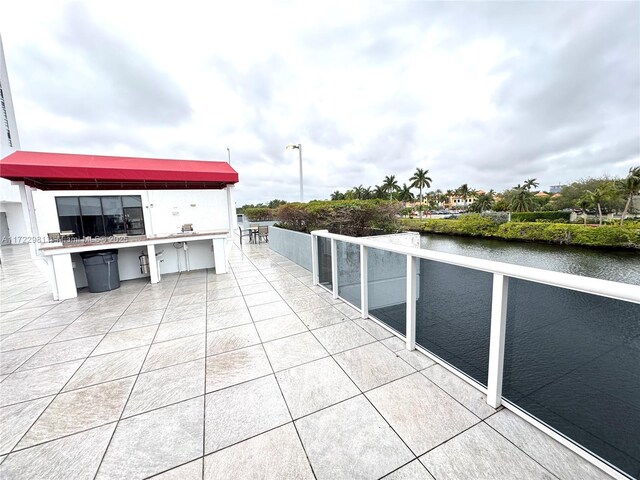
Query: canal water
[[571, 359], [616, 265]]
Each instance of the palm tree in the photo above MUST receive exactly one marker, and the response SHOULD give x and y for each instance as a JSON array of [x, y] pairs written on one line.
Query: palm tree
[[337, 195], [390, 185], [598, 196], [450, 193], [367, 193], [522, 200], [405, 195], [483, 203], [630, 187], [584, 203], [531, 183], [465, 192], [359, 192], [378, 192], [420, 180]]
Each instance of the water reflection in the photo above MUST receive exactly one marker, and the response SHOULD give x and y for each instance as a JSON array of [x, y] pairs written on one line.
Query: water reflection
[[618, 266]]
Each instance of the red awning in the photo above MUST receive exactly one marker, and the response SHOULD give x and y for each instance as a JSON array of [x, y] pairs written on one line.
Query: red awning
[[62, 171]]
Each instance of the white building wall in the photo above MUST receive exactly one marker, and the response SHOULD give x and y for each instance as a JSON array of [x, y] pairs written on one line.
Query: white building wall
[[15, 221], [165, 211]]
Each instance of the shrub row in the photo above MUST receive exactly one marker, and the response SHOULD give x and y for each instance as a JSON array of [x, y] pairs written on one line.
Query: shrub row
[[555, 216], [356, 218], [627, 236], [259, 214]]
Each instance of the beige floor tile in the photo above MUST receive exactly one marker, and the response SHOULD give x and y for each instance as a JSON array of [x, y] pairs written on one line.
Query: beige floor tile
[[220, 341], [279, 327], [315, 385], [351, 440], [166, 386], [254, 458], [435, 416], [294, 350], [74, 457], [104, 368], [175, 351], [155, 441], [342, 336], [372, 365], [79, 410], [231, 368], [469, 396], [480, 452], [236, 413]]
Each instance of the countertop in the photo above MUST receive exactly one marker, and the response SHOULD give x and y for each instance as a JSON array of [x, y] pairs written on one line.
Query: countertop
[[81, 245]]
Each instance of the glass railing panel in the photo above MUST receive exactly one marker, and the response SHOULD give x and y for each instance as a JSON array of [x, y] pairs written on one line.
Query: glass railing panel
[[387, 287], [453, 315], [572, 360], [349, 272], [324, 262]]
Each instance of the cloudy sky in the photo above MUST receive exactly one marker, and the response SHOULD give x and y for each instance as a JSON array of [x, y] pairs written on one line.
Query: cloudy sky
[[482, 93]]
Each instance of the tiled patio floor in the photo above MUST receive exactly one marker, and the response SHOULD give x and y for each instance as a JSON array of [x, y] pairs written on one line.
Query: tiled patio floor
[[251, 374]]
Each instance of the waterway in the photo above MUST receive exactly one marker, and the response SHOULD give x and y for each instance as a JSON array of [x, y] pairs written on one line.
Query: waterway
[[616, 265]]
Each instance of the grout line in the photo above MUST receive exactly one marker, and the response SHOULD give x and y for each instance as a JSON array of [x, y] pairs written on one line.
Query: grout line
[[65, 384], [206, 346], [134, 384], [522, 450], [281, 395]]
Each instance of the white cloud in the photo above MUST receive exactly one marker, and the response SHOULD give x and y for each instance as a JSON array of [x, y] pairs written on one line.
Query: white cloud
[[480, 93]]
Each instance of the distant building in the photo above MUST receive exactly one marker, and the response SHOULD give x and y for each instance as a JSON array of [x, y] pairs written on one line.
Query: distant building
[[555, 188]]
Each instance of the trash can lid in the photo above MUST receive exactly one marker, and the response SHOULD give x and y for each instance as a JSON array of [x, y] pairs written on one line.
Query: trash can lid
[[96, 253]]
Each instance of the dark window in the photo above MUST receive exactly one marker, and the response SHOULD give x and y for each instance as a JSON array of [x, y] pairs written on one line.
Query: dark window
[[92, 216], [113, 215], [69, 215], [100, 216]]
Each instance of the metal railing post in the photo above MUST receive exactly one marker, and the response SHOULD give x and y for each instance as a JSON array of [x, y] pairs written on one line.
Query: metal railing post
[[334, 267], [412, 269], [364, 282], [314, 259], [496, 339]]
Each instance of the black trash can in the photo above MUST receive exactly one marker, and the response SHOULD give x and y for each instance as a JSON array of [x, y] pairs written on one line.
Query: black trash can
[[101, 268]]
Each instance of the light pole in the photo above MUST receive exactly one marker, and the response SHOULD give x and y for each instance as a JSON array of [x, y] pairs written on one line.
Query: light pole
[[229, 154], [292, 146]]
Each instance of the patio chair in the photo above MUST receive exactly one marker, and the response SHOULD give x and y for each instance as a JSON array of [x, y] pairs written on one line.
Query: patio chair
[[263, 233], [244, 233]]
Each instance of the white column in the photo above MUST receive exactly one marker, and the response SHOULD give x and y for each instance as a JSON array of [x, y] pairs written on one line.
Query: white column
[[496, 339], [231, 208], [219, 255], [52, 278], [334, 267], [154, 272], [63, 275], [364, 282], [29, 213], [314, 259], [412, 269]]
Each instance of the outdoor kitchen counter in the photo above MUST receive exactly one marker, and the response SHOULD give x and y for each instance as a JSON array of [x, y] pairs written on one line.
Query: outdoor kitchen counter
[[61, 267]]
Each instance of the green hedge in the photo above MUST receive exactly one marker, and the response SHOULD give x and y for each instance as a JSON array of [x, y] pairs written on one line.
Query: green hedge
[[556, 216], [259, 214], [627, 236], [356, 218]]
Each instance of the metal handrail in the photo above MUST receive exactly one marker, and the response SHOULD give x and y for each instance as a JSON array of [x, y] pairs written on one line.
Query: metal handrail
[[606, 288], [501, 273]]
